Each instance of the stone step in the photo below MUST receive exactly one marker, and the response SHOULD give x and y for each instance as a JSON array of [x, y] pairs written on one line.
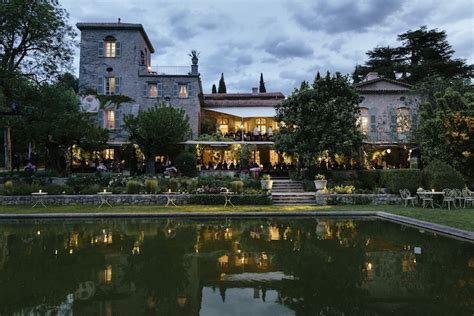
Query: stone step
[[292, 198], [299, 202]]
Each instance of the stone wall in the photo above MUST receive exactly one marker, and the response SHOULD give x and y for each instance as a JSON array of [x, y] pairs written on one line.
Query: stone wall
[[375, 199], [181, 199]]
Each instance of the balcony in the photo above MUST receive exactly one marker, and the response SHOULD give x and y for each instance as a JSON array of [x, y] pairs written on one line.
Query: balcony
[[165, 70]]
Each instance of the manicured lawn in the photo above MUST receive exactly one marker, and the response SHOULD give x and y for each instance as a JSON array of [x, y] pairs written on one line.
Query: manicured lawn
[[458, 218]]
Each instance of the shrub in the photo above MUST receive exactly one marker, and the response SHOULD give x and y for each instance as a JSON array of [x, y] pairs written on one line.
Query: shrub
[[342, 189], [57, 189], [439, 175], [91, 189], [186, 164], [8, 187], [250, 183], [151, 186], [320, 177], [237, 186], [396, 179], [173, 185], [266, 177], [192, 185], [368, 179], [133, 187]]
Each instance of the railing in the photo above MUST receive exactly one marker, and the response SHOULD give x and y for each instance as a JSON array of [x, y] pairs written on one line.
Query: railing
[[166, 70]]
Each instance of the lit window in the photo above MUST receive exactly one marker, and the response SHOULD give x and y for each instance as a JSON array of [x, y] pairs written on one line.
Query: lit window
[[108, 274], [363, 120], [109, 154], [403, 123], [110, 85], [223, 126], [110, 124], [110, 48], [183, 91], [152, 91], [261, 125]]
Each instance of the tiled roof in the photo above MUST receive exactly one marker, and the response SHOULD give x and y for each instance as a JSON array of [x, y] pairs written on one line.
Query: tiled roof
[[117, 26], [369, 82], [216, 100]]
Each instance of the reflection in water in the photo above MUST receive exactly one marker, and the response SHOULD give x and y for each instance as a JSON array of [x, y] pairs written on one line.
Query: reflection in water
[[212, 267]]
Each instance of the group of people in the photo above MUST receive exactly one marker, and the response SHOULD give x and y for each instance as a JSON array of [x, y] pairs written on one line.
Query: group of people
[[256, 135], [30, 165]]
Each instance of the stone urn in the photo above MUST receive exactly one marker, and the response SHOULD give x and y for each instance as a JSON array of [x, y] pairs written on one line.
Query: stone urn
[[320, 185], [266, 184]]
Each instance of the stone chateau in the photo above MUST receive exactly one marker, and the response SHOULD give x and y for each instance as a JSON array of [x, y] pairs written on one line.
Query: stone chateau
[[115, 59]]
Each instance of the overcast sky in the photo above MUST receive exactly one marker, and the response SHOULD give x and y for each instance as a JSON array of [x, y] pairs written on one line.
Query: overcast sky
[[289, 41]]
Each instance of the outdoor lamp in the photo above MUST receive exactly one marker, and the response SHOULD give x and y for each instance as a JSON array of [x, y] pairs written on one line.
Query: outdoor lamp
[[389, 151]]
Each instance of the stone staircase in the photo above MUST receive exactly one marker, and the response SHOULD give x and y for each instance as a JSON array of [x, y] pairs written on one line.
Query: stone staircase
[[287, 192]]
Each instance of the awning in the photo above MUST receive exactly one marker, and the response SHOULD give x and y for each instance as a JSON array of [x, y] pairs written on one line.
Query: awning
[[246, 112]]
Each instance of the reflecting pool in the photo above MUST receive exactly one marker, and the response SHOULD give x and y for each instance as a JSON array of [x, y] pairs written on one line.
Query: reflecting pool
[[263, 266]]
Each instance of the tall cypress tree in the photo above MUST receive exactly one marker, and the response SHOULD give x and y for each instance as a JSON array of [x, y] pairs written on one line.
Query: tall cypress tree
[[214, 89], [222, 87], [262, 88]]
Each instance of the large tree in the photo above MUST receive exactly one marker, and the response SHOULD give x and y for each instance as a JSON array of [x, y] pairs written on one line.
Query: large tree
[[36, 43], [157, 130], [422, 53], [446, 128], [319, 118], [222, 87]]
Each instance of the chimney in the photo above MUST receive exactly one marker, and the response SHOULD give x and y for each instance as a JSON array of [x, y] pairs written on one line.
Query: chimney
[[254, 90], [372, 76], [119, 20], [194, 70]]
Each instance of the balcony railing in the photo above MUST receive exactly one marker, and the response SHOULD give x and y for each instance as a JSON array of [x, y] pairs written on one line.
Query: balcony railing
[[166, 70]]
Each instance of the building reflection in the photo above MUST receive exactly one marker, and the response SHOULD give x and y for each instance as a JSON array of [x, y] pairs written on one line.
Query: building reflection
[[164, 267]]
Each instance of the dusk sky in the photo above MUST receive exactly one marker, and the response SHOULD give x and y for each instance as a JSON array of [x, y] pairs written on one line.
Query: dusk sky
[[289, 41]]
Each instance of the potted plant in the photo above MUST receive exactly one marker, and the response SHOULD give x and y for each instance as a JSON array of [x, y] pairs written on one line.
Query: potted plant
[[266, 182], [194, 57], [320, 183]]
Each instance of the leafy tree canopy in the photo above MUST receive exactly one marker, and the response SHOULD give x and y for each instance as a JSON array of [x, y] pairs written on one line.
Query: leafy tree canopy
[[35, 38], [423, 53], [157, 130], [319, 118], [446, 128]]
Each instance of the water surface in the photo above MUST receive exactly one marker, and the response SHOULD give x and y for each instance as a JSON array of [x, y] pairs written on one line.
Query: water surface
[[274, 266]]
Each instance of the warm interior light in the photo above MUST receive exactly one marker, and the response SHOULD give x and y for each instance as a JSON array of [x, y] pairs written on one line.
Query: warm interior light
[[389, 151]]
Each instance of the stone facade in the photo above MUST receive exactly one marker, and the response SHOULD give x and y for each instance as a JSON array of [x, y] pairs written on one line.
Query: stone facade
[[390, 110], [133, 73]]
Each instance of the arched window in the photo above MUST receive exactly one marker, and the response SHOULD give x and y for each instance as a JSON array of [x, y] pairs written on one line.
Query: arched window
[[110, 47]]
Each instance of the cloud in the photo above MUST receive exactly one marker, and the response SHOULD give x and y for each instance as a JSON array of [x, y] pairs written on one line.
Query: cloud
[[281, 47], [340, 16]]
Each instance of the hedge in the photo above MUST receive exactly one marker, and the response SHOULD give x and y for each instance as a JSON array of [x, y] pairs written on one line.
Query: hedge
[[439, 175], [219, 199], [368, 179], [396, 179]]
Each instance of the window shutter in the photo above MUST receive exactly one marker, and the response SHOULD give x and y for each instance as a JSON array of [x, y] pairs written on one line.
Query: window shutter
[[101, 49], [190, 89], [118, 49], [175, 90], [100, 85], [118, 118], [145, 89], [160, 89], [373, 123], [118, 83], [100, 118]]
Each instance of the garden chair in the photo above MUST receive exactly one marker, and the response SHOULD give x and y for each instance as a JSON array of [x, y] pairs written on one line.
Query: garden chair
[[406, 197], [426, 199], [468, 197], [459, 197], [449, 197]]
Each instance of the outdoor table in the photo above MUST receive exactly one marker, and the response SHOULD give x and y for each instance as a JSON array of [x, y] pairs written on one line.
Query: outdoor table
[[104, 198], [170, 199], [433, 194], [39, 197], [228, 197]]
